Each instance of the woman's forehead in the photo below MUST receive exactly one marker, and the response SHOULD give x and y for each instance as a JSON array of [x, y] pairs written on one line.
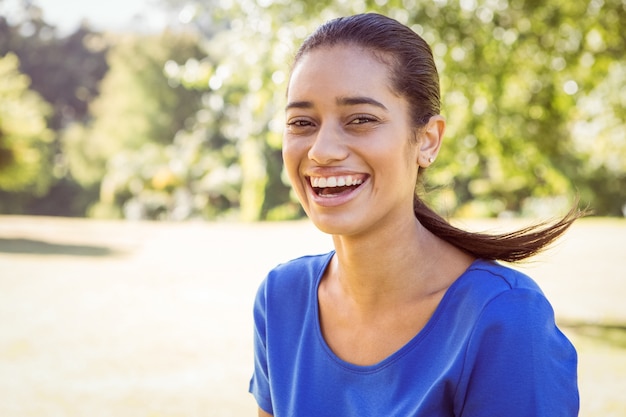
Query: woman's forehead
[[339, 67]]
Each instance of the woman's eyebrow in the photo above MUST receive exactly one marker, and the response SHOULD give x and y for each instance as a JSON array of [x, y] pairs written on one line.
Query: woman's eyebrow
[[341, 101], [354, 101], [299, 105]]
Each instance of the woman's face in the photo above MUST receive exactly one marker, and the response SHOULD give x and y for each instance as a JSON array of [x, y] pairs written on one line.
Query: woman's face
[[347, 145]]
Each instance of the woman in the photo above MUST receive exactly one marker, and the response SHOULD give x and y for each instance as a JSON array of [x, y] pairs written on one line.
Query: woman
[[407, 316]]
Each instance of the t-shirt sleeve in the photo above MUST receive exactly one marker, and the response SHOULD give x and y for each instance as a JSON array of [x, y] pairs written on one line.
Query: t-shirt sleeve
[[518, 363], [259, 384]]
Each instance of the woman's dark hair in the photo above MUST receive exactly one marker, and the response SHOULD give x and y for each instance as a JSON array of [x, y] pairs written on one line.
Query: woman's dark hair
[[414, 76]]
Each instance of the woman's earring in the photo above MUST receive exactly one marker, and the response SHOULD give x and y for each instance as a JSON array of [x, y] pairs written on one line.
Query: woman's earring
[[431, 159]]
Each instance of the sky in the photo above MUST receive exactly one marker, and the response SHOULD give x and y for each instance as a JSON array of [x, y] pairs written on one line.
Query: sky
[[66, 15]]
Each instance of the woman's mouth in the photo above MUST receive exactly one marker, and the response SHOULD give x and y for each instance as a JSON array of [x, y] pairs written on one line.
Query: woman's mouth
[[335, 185]]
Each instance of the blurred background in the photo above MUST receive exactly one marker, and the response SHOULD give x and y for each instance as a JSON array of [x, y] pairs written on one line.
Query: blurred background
[[172, 109], [142, 196]]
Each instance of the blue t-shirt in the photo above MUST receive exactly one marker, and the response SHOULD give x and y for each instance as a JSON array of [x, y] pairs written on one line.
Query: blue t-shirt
[[491, 349]]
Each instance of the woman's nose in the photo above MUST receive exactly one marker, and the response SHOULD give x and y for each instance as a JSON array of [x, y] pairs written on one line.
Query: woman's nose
[[328, 146]]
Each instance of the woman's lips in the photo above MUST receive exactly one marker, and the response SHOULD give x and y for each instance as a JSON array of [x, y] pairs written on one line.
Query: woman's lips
[[335, 190]]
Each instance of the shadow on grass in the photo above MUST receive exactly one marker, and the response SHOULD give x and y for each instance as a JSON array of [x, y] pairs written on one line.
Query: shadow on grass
[[613, 334], [39, 247]]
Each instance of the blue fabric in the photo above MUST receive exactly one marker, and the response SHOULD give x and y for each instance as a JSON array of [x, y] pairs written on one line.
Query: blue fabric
[[490, 349]]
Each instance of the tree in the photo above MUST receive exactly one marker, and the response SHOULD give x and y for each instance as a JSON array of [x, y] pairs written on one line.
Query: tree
[[515, 79], [24, 136], [64, 71], [137, 114]]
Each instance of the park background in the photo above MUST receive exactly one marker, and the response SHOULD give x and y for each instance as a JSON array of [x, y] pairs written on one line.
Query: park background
[[142, 197]]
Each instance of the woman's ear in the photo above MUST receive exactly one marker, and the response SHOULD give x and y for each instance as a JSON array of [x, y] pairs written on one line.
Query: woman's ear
[[430, 140]]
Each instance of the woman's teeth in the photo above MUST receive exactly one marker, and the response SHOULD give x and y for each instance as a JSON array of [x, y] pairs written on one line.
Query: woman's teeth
[[340, 181]]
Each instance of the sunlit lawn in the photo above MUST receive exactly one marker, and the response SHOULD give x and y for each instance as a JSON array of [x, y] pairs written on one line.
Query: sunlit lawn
[[153, 319]]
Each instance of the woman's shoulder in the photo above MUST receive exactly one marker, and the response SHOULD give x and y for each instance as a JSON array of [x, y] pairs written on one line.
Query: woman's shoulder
[[288, 290], [296, 275], [304, 268], [307, 264], [487, 283], [495, 276]]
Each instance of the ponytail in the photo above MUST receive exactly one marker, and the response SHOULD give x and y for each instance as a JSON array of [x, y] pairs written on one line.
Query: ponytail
[[510, 247]]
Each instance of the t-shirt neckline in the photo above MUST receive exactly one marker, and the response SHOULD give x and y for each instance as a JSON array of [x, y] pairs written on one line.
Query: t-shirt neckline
[[406, 348]]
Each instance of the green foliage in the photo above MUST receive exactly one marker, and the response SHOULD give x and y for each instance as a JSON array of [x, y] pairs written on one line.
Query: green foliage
[[515, 79], [136, 116], [24, 136], [524, 87], [65, 72], [189, 126]]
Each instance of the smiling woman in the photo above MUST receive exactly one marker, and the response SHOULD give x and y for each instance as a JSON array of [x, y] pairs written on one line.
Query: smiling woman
[[408, 316], [343, 121]]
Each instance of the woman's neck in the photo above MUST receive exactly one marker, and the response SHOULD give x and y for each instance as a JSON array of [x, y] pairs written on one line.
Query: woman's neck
[[380, 290], [389, 267]]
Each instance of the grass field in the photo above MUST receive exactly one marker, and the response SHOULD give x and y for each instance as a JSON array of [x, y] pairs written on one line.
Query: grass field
[[154, 319]]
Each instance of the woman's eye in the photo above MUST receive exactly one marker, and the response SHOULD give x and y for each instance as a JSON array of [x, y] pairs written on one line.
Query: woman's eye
[[360, 120], [299, 123]]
